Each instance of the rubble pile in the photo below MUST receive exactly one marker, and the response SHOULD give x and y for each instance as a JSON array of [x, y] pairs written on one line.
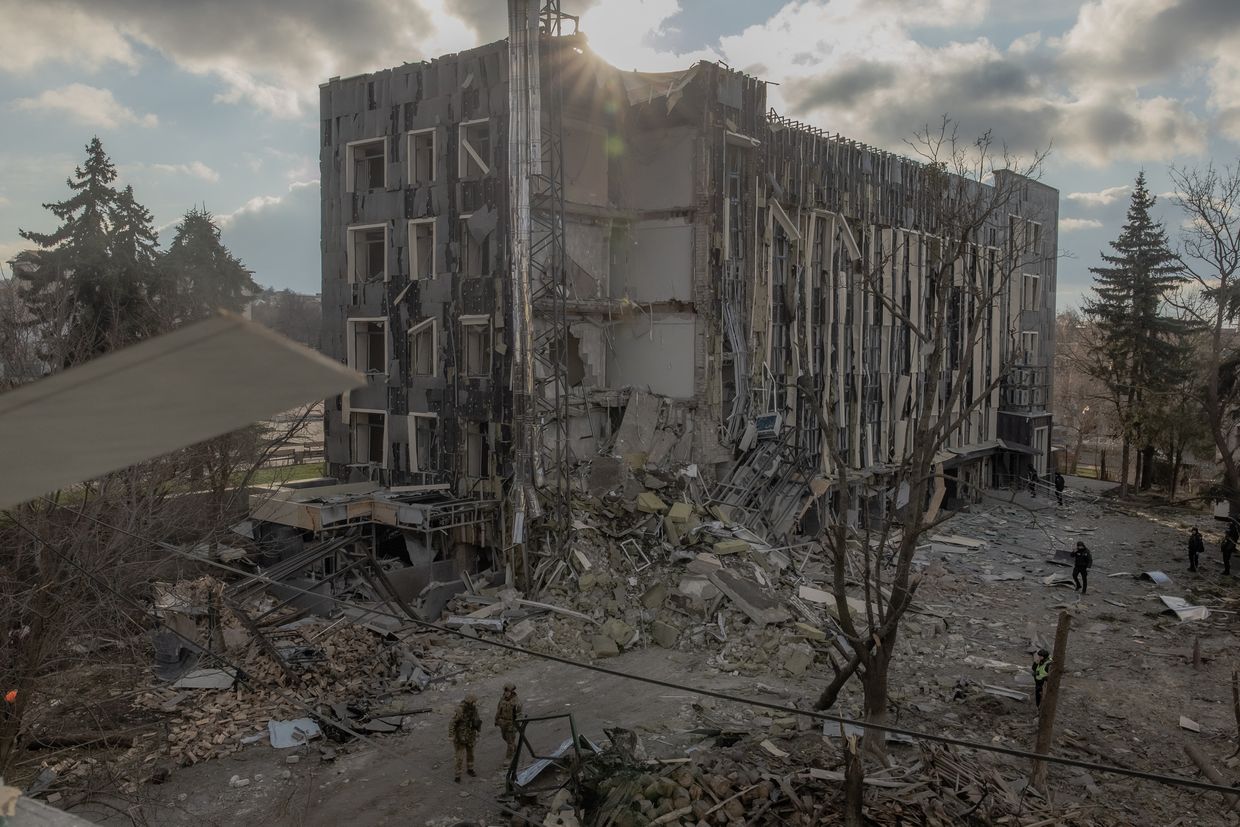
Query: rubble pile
[[759, 784], [336, 668]]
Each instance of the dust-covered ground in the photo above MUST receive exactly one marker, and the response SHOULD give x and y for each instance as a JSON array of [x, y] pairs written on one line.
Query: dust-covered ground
[[1129, 679]]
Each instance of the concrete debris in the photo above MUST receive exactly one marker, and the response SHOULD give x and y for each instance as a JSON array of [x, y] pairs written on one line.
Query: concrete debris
[[648, 502], [605, 646], [207, 679], [664, 634], [294, 733], [759, 606], [1189, 724]]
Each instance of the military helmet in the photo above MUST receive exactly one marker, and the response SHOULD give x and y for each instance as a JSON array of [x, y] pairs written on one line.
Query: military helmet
[[471, 698], [510, 687]]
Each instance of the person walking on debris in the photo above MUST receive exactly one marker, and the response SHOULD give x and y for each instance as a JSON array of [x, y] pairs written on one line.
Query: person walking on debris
[[1082, 562], [506, 718], [1060, 483], [1195, 547], [464, 731], [1229, 548], [1041, 670]]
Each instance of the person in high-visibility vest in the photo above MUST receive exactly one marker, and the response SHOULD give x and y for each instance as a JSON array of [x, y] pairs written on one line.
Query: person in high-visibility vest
[[1041, 671]]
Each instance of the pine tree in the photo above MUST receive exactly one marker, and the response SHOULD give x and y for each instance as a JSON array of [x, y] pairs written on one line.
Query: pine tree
[[1144, 348], [200, 275], [66, 281], [88, 285]]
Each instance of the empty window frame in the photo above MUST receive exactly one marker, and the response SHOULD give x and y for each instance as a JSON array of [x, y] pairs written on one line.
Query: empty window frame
[[1029, 346], [474, 149], [369, 436], [422, 246], [366, 252], [1031, 292], [476, 345], [421, 154], [473, 252], [476, 452], [366, 165], [368, 346], [423, 442], [424, 348], [1033, 232]]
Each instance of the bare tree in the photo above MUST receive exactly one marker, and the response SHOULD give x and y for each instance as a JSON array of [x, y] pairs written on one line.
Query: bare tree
[[1209, 253], [877, 521]]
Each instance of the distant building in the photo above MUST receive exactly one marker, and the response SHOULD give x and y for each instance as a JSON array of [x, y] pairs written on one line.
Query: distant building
[[708, 247]]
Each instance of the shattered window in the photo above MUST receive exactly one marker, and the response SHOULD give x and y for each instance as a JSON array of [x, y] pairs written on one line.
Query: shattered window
[[422, 157], [475, 450], [476, 346], [367, 254], [473, 252], [424, 439], [369, 352], [369, 434], [1031, 295], [368, 165], [422, 244], [474, 157], [423, 348]]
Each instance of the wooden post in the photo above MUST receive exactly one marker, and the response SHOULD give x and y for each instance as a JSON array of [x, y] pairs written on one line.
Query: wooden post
[[1235, 706], [854, 779], [1050, 700]]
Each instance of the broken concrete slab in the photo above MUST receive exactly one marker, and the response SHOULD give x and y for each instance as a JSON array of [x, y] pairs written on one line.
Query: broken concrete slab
[[704, 563], [697, 588], [759, 606], [679, 513], [811, 632], [649, 502], [733, 546], [604, 646], [664, 634], [655, 596], [294, 733], [795, 658], [606, 475], [635, 436], [489, 624], [207, 679], [617, 630], [520, 632]]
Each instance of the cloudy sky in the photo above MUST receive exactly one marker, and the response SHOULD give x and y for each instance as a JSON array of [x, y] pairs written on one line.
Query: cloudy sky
[[214, 103]]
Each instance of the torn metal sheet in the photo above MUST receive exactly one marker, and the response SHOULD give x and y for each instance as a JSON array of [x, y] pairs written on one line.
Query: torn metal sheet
[[832, 730], [536, 769], [294, 733], [142, 401], [1157, 576], [1183, 609]]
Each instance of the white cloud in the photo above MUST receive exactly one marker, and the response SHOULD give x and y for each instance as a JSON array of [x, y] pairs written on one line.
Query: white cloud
[[1102, 198], [194, 169], [263, 203], [1071, 225], [53, 32], [89, 105]]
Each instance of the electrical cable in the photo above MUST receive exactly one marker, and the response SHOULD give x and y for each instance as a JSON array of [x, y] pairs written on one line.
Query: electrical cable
[[1170, 780], [240, 673]]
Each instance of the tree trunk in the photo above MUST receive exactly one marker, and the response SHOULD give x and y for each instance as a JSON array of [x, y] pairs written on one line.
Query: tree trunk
[[874, 685], [1177, 461], [1147, 468], [1050, 700], [1076, 454], [1123, 469], [1102, 464], [854, 784]]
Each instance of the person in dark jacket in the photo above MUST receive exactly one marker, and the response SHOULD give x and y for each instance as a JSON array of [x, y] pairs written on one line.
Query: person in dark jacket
[[1195, 547], [1229, 548], [1060, 483], [1082, 562], [1041, 671]]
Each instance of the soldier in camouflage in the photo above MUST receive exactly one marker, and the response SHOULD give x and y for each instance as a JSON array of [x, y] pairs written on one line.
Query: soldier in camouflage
[[506, 718], [464, 731]]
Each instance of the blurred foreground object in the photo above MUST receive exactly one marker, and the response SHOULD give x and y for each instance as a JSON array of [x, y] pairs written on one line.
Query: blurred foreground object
[[193, 384]]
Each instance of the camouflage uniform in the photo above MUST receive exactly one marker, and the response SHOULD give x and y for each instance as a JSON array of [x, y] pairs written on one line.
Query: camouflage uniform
[[464, 731], [506, 719]]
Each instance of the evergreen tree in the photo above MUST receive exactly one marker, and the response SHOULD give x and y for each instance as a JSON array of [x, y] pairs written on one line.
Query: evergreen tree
[[66, 282], [1143, 347], [200, 275], [133, 244]]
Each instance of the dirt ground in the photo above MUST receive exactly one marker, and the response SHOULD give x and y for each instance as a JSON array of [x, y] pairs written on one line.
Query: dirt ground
[[1130, 678]]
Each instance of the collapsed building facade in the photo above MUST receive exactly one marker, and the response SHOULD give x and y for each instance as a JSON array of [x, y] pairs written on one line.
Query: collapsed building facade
[[536, 258]]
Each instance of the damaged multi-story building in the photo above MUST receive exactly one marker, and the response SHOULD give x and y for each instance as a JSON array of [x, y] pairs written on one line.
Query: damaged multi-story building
[[524, 247]]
